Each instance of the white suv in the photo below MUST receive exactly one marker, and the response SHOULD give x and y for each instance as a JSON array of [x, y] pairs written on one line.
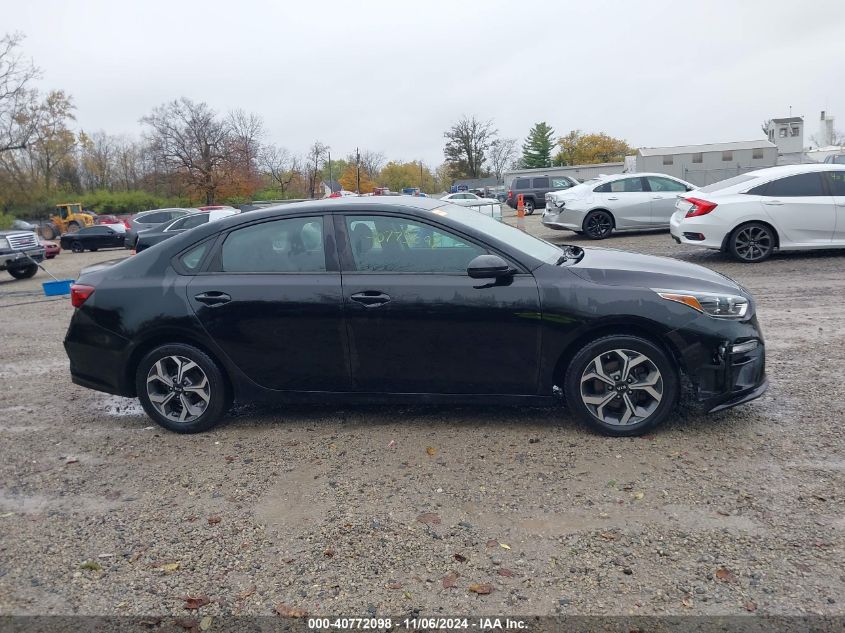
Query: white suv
[[793, 207], [621, 202]]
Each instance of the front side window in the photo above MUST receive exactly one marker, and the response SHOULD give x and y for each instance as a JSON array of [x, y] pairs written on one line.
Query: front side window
[[799, 185], [398, 245], [665, 184], [561, 183], [292, 245]]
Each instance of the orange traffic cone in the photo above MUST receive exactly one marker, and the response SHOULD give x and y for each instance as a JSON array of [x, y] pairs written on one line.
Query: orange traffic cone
[[520, 206]]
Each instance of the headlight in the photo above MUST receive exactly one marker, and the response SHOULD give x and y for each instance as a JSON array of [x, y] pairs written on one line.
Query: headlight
[[720, 306], [4, 243]]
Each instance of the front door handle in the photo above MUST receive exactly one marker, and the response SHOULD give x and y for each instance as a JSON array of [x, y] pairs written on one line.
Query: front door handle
[[773, 203], [213, 298], [613, 198], [370, 298], [657, 198]]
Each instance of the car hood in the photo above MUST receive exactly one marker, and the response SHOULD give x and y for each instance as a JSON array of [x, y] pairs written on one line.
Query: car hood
[[611, 267]]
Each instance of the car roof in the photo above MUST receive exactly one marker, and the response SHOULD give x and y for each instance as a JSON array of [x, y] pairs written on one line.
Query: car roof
[[790, 170]]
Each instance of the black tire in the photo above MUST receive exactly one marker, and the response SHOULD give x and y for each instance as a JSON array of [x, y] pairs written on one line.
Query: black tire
[[578, 232], [49, 232], [752, 243], [218, 392], [529, 207], [598, 225], [24, 272], [77, 247], [609, 418], [73, 227], [93, 249]]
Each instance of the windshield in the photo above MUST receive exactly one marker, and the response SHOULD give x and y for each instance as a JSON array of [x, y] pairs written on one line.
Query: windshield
[[528, 244]]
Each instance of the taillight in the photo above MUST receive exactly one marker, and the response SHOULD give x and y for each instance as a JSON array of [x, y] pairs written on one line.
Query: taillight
[[79, 294], [126, 224], [510, 194], [699, 207]]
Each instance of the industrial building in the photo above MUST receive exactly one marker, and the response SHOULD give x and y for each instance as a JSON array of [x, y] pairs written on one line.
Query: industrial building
[[706, 164]]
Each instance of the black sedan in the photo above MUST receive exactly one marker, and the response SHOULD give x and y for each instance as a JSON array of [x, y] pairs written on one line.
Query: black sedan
[[408, 299], [166, 230], [93, 238]]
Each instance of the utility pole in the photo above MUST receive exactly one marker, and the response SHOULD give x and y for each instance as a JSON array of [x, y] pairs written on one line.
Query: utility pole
[[357, 171], [330, 172], [421, 180]]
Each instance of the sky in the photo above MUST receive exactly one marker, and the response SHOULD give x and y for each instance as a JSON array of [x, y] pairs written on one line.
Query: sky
[[392, 76]]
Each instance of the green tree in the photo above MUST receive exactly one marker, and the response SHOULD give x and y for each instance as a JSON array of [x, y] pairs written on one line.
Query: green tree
[[577, 148], [537, 149]]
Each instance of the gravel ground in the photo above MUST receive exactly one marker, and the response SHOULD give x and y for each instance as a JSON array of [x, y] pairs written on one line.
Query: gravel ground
[[396, 510]]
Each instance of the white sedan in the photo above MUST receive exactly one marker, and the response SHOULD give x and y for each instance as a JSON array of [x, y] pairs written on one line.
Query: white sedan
[[487, 206], [467, 199], [792, 207]]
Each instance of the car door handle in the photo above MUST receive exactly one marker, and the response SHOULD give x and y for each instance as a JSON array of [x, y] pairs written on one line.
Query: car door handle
[[213, 298], [370, 298], [773, 203], [658, 198], [613, 198]]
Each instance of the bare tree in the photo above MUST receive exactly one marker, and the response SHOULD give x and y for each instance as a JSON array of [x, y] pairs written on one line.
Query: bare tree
[[369, 161], [247, 132], [128, 166], [502, 155], [466, 145], [16, 128], [190, 138], [97, 158], [765, 126], [316, 153], [280, 165]]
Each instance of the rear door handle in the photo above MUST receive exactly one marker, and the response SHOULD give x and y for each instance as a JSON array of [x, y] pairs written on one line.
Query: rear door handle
[[613, 198], [213, 298], [658, 198], [370, 298], [773, 203]]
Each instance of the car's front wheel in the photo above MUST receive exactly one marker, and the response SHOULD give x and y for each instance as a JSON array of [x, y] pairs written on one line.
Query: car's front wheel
[[24, 272], [621, 385], [77, 247], [598, 225], [752, 243], [182, 388]]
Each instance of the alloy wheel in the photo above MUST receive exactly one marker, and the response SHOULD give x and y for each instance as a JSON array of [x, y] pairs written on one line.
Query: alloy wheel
[[621, 387], [598, 225], [178, 388], [753, 243]]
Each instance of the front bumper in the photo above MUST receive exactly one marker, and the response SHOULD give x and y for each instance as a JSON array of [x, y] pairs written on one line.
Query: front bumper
[[721, 377], [12, 259]]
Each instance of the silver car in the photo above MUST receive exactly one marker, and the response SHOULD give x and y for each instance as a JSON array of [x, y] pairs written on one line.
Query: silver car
[[621, 202]]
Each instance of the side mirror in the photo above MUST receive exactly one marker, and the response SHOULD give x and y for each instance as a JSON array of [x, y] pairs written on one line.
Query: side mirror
[[488, 267]]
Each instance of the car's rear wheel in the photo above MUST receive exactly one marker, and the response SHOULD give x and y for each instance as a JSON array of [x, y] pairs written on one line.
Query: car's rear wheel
[[529, 207], [752, 243], [24, 272], [621, 385], [77, 247], [182, 388], [598, 225]]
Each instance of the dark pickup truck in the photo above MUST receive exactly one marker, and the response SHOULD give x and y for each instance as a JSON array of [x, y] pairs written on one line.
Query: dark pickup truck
[[19, 250]]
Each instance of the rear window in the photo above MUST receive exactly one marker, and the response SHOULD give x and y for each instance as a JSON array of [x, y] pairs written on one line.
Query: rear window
[[154, 218], [724, 184]]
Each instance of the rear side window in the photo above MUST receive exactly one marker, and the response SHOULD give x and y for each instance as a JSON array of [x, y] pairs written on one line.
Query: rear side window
[[541, 183], [521, 183], [155, 218], [836, 180], [627, 185], [795, 186], [292, 245], [192, 259]]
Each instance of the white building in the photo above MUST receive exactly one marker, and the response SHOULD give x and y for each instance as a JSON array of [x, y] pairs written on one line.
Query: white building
[[580, 172], [787, 134], [706, 164]]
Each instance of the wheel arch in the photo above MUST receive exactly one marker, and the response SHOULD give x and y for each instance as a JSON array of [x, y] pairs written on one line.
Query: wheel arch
[[729, 234], [608, 211], [642, 328], [171, 337]]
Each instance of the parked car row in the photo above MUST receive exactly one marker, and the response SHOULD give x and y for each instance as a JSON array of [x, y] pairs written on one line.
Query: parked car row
[[750, 216]]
